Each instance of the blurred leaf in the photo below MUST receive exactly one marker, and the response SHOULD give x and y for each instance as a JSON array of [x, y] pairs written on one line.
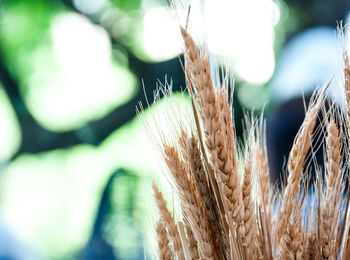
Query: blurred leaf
[[63, 63], [253, 97], [23, 27], [49, 200], [120, 228]]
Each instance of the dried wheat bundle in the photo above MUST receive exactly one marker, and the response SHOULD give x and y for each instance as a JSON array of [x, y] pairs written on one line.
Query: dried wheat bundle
[[230, 214]]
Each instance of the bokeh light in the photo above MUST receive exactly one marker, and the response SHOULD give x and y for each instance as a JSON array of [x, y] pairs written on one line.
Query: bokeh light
[[50, 200], [83, 68], [161, 34], [247, 40]]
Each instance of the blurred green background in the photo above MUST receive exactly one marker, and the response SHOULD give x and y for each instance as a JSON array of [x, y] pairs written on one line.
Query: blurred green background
[[75, 162]]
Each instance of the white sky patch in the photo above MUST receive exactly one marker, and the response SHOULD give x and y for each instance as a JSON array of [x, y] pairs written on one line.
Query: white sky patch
[[309, 60], [88, 6], [244, 30], [240, 30], [161, 34]]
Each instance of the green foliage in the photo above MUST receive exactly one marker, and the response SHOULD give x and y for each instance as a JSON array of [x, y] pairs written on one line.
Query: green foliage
[[24, 30], [127, 5]]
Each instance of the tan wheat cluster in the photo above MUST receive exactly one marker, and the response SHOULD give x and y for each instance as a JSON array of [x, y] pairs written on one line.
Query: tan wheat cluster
[[229, 208]]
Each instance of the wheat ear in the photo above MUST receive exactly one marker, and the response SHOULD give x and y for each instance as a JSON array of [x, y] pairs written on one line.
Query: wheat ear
[[347, 85], [164, 251], [311, 250], [263, 171], [198, 69], [214, 225], [192, 205], [330, 210], [198, 75], [295, 166], [249, 226], [193, 245], [293, 240], [173, 232]]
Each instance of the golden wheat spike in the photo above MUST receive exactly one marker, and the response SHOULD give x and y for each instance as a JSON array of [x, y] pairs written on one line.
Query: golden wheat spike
[[226, 219], [250, 225], [198, 69], [192, 206], [296, 160], [164, 250], [171, 227]]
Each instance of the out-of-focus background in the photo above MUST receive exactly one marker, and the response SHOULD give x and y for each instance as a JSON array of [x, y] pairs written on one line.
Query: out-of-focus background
[[74, 161]]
